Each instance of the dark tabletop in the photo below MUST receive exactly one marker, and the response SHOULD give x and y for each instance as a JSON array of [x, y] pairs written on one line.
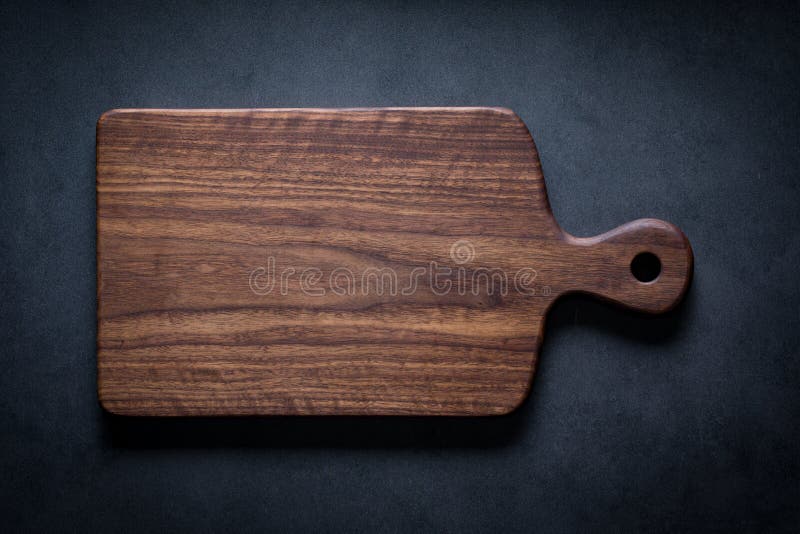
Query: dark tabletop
[[687, 421]]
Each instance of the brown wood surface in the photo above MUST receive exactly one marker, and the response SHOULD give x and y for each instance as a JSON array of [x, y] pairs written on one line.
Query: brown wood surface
[[192, 203]]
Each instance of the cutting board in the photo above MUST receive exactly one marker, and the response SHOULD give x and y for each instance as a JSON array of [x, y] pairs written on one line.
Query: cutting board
[[340, 261]]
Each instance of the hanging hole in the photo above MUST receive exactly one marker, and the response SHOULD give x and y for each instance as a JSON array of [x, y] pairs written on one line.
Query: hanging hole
[[646, 267]]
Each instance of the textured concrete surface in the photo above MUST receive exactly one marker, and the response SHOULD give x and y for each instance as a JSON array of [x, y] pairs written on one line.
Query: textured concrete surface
[[682, 422]]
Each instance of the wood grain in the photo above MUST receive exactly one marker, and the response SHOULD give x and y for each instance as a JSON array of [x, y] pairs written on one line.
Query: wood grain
[[192, 204]]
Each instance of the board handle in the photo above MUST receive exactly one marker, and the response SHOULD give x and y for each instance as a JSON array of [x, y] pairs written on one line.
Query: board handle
[[645, 265]]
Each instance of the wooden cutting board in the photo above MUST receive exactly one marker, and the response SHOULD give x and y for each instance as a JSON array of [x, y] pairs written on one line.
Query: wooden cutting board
[[353, 261]]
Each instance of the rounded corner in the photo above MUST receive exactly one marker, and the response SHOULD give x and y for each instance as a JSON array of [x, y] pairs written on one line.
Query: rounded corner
[[518, 401], [107, 408], [106, 115], [505, 111]]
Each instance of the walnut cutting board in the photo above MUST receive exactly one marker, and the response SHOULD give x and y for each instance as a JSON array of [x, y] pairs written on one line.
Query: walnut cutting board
[[355, 261]]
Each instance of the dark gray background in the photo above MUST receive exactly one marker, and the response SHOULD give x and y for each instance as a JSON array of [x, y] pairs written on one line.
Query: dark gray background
[[687, 421]]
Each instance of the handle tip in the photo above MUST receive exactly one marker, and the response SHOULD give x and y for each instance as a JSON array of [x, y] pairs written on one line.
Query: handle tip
[[646, 265]]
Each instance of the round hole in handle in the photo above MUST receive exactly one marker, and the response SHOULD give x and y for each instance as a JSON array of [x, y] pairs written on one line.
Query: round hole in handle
[[646, 267]]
